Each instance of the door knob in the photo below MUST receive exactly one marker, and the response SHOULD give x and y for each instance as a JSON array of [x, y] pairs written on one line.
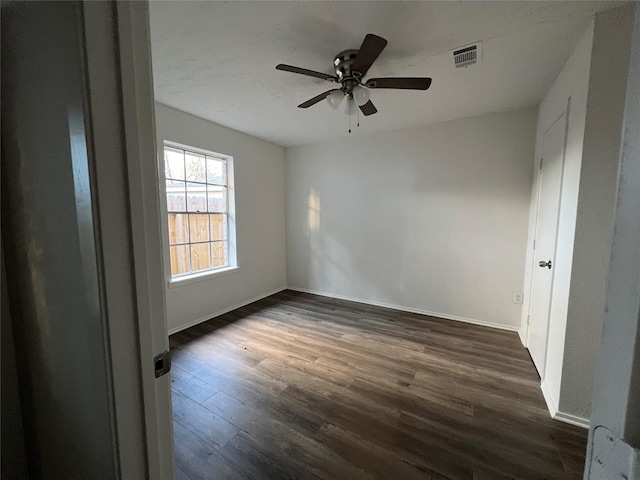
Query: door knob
[[545, 264]]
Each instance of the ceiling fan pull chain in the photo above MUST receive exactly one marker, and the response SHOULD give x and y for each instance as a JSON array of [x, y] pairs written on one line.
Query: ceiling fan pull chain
[[349, 123], [358, 110]]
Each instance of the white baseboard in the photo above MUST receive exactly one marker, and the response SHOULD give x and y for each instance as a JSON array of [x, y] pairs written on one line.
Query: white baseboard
[[222, 312], [523, 340], [551, 404], [561, 416], [573, 420], [408, 309]]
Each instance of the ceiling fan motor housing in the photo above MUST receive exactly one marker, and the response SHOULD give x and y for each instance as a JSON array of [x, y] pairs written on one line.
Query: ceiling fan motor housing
[[342, 63]]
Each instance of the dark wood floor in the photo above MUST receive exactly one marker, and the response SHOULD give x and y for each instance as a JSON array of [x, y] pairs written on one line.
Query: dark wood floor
[[302, 386]]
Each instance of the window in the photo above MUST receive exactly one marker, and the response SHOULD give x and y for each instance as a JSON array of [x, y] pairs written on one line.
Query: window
[[198, 210]]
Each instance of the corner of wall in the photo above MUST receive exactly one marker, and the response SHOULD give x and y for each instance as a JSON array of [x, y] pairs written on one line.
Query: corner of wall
[[601, 151], [522, 335], [528, 261], [554, 412], [260, 201]]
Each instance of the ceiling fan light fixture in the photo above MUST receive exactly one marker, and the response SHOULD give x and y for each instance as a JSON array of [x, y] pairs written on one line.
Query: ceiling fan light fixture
[[334, 99], [361, 95], [350, 107]]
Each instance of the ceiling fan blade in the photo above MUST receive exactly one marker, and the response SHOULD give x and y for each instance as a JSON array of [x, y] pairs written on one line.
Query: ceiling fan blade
[[317, 98], [414, 83], [371, 48], [368, 108], [304, 71]]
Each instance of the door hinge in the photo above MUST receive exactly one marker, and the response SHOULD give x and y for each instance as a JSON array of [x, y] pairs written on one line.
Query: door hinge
[[528, 319], [162, 363], [534, 244], [541, 162]]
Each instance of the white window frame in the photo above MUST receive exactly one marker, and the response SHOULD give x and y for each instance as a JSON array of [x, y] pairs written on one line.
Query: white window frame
[[232, 264]]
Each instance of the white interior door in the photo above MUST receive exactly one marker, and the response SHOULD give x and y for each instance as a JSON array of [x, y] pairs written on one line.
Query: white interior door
[[550, 186]]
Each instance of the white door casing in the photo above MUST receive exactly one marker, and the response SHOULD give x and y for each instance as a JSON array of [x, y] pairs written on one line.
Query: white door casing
[[120, 85], [549, 190]]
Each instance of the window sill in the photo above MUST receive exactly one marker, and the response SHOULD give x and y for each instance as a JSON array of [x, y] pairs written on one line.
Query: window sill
[[200, 277]]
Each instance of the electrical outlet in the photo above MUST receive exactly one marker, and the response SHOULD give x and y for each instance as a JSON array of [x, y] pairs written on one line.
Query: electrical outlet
[[517, 298]]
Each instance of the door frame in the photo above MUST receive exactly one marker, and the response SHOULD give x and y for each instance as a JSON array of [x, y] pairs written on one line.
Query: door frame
[[122, 148], [540, 164], [144, 197]]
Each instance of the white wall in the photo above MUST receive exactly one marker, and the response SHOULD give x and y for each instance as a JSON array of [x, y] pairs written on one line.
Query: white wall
[[596, 206], [594, 79], [432, 219], [568, 91], [617, 394], [259, 174]]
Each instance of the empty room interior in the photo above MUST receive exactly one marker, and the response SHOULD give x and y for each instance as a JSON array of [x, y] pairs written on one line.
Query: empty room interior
[[415, 293], [383, 237]]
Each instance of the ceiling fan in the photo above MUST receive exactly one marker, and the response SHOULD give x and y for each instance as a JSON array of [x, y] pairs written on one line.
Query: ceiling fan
[[351, 66]]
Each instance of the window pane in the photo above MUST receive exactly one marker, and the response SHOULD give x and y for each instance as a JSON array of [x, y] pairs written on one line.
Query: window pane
[[218, 223], [216, 171], [176, 198], [196, 187], [217, 199], [179, 259], [200, 256], [199, 227], [178, 228], [196, 197], [219, 253], [195, 167], [173, 163]]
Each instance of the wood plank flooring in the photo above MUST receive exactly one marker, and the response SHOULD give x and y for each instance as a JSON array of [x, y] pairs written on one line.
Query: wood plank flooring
[[302, 386]]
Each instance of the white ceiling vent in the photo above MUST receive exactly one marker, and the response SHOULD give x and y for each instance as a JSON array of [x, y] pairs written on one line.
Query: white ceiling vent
[[467, 55]]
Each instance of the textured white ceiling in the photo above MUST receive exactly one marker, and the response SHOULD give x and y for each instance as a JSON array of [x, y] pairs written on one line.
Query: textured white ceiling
[[217, 60]]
